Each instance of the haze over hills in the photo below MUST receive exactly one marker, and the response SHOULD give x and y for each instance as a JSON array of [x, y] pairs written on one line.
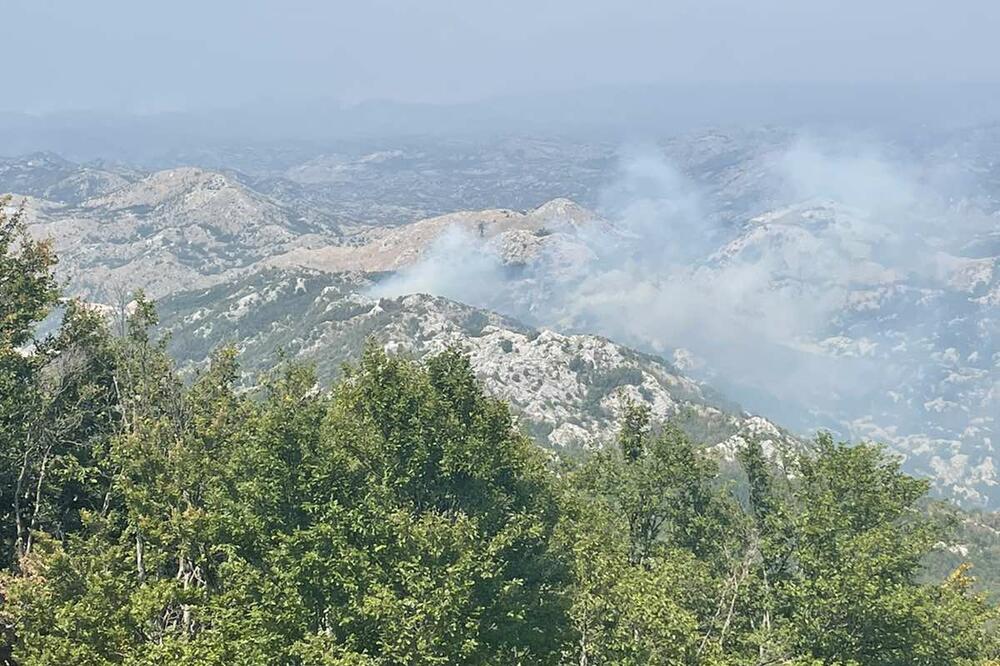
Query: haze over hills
[[617, 113], [771, 267]]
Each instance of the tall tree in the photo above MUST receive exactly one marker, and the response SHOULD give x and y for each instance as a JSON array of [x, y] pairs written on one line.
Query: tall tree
[[401, 520], [57, 401]]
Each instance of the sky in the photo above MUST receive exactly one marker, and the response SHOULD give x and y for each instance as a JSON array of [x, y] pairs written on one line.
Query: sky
[[182, 55]]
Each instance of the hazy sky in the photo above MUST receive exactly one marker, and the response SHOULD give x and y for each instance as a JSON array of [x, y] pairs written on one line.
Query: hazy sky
[[141, 55]]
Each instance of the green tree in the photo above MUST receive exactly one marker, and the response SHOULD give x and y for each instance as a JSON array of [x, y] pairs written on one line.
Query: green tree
[[445, 513], [401, 520], [648, 531], [27, 293], [58, 404], [628, 613], [662, 487], [860, 540]]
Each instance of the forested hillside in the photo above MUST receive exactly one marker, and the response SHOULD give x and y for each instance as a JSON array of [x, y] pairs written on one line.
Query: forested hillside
[[399, 517]]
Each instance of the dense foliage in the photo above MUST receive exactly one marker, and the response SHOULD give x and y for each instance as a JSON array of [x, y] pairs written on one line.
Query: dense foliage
[[401, 518]]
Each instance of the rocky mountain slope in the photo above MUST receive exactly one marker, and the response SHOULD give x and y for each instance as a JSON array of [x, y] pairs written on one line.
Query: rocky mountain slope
[[49, 176], [922, 329], [566, 389], [168, 230], [377, 184]]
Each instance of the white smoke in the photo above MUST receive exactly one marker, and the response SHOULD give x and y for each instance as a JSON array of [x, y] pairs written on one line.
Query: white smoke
[[761, 306], [852, 173], [457, 265]]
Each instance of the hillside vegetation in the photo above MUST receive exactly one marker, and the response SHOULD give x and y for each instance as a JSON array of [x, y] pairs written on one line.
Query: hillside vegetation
[[401, 518]]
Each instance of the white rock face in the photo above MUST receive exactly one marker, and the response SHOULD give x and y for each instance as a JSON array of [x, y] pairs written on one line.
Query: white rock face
[[567, 390], [775, 444], [169, 231]]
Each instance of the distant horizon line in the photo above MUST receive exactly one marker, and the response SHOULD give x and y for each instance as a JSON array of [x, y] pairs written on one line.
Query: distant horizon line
[[333, 103]]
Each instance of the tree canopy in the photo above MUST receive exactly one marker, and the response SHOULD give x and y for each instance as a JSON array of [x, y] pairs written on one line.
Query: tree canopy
[[401, 517]]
